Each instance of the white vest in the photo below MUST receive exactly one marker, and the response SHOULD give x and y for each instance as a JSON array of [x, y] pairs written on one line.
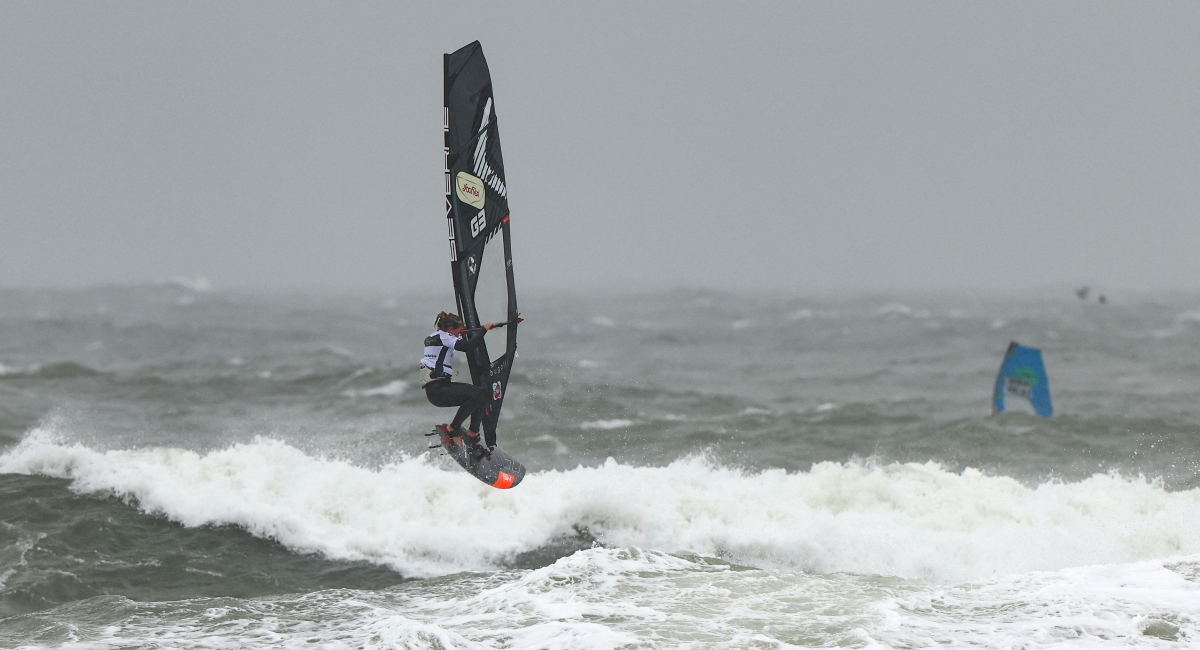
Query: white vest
[[439, 349]]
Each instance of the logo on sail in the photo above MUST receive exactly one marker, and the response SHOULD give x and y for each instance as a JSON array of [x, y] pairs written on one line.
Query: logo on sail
[[470, 189], [1026, 374], [478, 222], [1022, 381]]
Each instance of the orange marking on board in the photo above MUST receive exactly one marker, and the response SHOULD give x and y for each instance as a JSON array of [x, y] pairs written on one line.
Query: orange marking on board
[[504, 482]]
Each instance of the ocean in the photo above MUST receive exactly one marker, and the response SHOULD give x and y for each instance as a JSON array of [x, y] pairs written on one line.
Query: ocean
[[182, 467]]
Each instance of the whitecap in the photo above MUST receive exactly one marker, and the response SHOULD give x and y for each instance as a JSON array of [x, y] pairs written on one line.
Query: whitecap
[[898, 309], [199, 284], [606, 424], [913, 520], [390, 389], [894, 308]]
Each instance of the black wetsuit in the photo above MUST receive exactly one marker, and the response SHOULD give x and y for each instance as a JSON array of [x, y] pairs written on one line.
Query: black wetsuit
[[469, 398]]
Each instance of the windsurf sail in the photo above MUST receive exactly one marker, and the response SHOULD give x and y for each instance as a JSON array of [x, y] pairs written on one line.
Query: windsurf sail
[[478, 219], [1023, 374]]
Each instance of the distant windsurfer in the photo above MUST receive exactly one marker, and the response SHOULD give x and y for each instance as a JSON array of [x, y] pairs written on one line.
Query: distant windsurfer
[[436, 373]]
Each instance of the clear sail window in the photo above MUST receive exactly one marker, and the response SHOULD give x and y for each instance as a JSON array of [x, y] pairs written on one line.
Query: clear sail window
[[491, 294]]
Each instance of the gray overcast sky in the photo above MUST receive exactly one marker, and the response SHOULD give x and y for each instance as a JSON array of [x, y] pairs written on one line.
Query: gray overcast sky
[[806, 146]]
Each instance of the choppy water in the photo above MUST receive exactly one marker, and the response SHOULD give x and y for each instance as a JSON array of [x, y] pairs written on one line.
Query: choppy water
[[194, 469]]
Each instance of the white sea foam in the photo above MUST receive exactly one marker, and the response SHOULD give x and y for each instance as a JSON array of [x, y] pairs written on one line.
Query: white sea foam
[[898, 309], [1183, 323], [894, 308], [1144, 604], [338, 350], [424, 519], [199, 284], [605, 599], [390, 389], [606, 424], [14, 370]]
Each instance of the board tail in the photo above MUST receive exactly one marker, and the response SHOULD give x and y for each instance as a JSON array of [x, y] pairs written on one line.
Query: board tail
[[1023, 374], [497, 468]]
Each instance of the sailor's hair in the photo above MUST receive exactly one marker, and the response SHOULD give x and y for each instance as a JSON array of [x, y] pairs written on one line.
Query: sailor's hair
[[446, 320]]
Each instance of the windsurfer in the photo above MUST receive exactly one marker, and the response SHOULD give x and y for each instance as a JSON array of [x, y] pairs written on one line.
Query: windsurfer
[[436, 372]]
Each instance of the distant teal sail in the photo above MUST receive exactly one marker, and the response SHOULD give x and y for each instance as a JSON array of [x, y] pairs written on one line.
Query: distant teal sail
[[1023, 374]]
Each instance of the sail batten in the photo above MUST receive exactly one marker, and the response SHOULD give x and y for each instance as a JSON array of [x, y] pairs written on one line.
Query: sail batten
[[477, 211]]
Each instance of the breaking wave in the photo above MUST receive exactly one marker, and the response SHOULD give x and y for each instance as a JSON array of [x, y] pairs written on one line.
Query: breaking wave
[[424, 518]]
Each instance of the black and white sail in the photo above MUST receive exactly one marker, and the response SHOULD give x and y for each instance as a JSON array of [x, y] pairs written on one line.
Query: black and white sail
[[477, 214]]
